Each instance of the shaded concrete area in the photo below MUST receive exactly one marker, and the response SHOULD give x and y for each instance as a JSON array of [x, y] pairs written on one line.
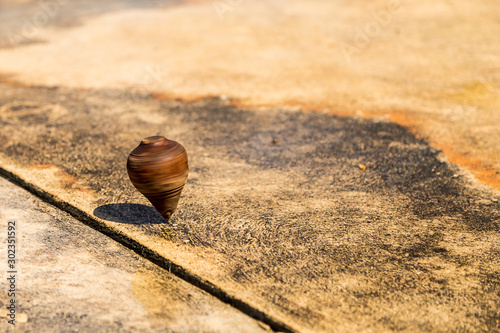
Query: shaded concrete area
[[72, 278], [322, 222]]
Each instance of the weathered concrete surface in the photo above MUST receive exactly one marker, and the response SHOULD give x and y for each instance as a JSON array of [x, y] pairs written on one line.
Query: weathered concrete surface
[[431, 66], [22, 21], [72, 278], [277, 211]]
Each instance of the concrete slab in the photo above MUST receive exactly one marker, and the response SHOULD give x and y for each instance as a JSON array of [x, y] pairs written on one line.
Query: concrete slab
[[71, 278], [311, 221], [21, 21], [323, 223], [432, 67]]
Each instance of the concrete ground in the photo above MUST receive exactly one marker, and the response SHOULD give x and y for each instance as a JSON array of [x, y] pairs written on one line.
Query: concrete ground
[[334, 221], [72, 278]]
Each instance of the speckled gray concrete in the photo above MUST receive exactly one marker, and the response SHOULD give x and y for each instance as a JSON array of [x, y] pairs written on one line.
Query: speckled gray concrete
[[71, 278], [276, 210]]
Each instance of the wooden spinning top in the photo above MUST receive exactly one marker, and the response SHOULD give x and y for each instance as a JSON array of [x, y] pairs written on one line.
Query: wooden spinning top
[[158, 168]]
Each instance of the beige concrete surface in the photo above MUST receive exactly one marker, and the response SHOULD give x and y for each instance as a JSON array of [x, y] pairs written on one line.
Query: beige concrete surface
[[71, 278], [431, 66]]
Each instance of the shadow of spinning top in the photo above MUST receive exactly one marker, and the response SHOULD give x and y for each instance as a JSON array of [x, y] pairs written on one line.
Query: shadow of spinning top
[[158, 168]]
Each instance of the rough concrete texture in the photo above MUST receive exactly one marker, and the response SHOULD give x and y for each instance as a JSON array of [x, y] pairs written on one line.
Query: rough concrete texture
[[431, 66], [72, 278], [277, 210], [324, 223], [21, 21]]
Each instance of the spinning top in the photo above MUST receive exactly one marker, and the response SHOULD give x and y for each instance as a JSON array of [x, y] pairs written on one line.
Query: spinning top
[[158, 168]]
